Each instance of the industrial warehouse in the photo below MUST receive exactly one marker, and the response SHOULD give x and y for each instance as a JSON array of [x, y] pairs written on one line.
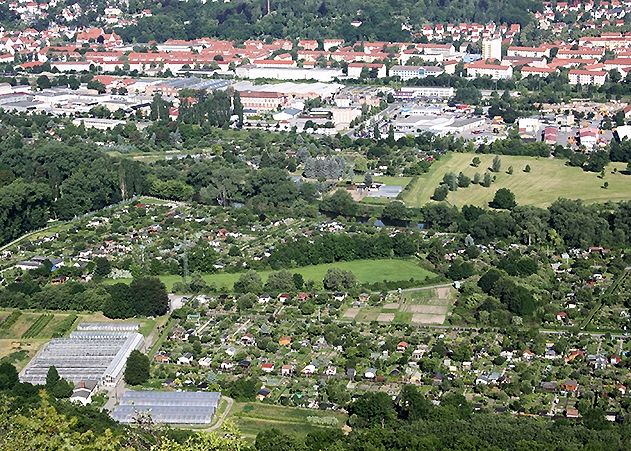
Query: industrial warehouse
[[168, 407], [96, 354]]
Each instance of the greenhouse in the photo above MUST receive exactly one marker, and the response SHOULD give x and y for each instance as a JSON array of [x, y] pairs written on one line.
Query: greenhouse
[[85, 355], [168, 407], [109, 327]]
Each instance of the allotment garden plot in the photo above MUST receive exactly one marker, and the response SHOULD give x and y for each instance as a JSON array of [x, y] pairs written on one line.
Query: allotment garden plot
[[421, 307]]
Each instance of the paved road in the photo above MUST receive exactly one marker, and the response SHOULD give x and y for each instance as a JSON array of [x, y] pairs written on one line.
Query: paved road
[[224, 415], [116, 393]]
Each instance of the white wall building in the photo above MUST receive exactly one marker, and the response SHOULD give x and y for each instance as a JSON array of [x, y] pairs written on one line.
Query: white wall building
[[585, 77], [492, 49], [288, 73]]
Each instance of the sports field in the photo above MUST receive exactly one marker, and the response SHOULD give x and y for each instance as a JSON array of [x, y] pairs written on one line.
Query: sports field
[[548, 180], [366, 271]]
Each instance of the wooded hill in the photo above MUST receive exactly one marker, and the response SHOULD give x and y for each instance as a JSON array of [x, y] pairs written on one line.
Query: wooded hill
[[318, 19]]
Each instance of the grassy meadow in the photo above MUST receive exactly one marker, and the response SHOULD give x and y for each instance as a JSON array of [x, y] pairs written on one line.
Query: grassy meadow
[[548, 180], [252, 418], [366, 271]]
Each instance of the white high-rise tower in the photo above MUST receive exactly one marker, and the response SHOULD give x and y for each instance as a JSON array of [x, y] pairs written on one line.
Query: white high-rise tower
[[492, 49]]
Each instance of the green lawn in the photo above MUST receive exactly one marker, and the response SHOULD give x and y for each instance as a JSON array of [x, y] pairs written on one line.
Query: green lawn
[[548, 180], [252, 418], [366, 271]]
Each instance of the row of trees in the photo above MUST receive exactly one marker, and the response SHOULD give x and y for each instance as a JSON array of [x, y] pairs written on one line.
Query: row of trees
[[251, 283], [565, 222], [342, 247], [142, 297]]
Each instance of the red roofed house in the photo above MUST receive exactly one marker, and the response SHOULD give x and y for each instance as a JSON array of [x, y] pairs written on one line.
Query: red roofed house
[[99, 36], [527, 71], [484, 69], [561, 316], [586, 77], [588, 137], [308, 44]]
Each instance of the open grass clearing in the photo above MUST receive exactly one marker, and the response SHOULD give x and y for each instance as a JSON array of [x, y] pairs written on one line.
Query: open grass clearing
[[25, 320], [252, 418], [19, 352], [366, 271], [548, 180]]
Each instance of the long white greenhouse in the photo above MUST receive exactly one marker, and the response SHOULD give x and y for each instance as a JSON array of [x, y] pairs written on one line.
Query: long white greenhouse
[[109, 327], [85, 355], [168, 407]]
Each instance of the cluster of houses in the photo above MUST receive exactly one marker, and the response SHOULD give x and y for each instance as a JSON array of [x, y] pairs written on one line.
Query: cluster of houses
[[590, 15], [326, 61], [69, 49], [586, 61], [29, 11], [387, 370]]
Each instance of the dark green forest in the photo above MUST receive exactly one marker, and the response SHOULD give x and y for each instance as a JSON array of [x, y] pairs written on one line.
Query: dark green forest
[[317, 19]]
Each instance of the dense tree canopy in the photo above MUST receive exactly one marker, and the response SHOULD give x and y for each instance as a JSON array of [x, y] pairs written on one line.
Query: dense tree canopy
[[317, 19], [137, 368]]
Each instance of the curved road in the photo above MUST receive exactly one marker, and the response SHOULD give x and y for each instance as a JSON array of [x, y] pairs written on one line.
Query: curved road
[[224, 415]]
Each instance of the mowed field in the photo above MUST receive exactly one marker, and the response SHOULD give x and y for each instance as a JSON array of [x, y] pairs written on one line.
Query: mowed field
[[252, 418], [548, 180], [366, 271]]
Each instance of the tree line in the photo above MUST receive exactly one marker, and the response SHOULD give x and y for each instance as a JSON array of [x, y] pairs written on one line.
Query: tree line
[[144, 296], [335, 247], [412, 422], [52, 180], [566, 222]]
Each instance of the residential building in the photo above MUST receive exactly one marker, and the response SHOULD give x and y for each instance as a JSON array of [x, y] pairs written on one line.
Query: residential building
[[586, 77], [410, 72], [261, 100], [484, 69], [492, 49]]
